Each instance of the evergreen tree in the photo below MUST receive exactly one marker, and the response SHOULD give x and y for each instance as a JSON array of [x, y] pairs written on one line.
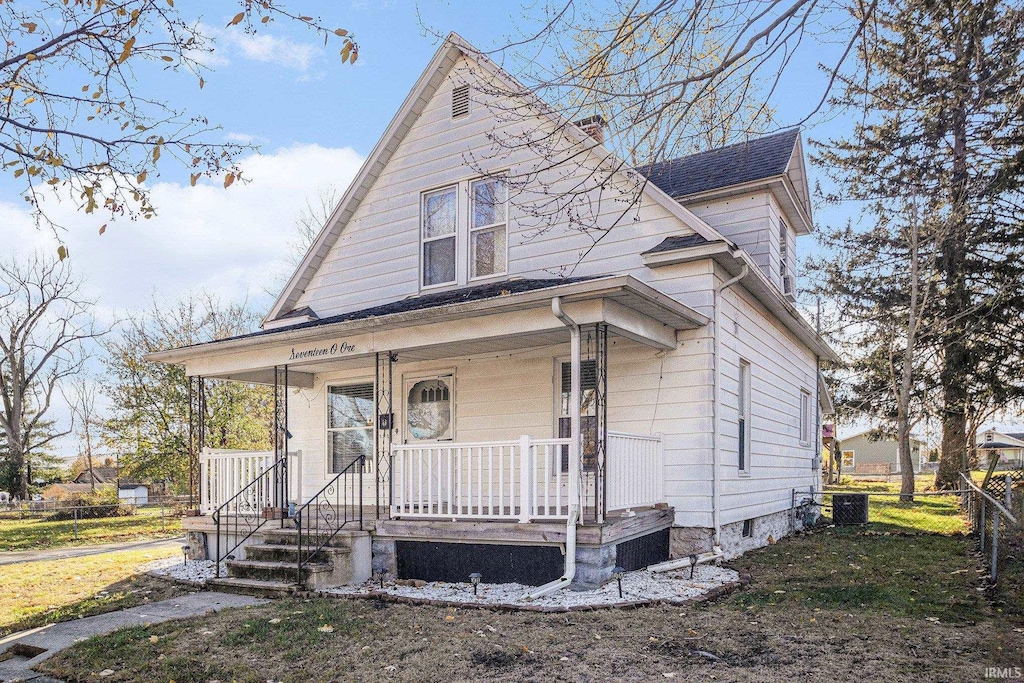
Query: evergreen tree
[[944, 121]]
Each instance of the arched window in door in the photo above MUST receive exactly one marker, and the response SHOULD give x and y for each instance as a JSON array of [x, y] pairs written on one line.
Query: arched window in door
[[429, 409]]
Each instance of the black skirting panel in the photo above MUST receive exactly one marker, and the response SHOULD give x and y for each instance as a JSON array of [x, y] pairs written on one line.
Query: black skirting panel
[[526, 564], [643, 551]]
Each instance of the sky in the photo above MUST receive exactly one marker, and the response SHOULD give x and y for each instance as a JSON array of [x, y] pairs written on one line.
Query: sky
[[314, 120]]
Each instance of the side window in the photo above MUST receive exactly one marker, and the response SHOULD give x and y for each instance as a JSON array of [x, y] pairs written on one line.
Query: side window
[[806, 419], [743, 424], [438, 236]]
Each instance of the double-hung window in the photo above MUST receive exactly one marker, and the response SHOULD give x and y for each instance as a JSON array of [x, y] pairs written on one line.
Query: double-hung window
[[588, 412], [805, 417], [743, 429], [440, 217], [488, 230], [350, 411]]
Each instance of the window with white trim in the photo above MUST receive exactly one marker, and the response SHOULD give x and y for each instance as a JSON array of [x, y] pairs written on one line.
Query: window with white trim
[[488, 230], [805, 417], [743, 423], [438, 234], [849, 459], [350, 411]]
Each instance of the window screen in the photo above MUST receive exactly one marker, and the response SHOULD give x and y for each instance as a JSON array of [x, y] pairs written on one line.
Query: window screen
[[350, 411]]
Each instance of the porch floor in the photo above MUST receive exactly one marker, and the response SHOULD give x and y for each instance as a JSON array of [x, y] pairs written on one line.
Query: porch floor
[[616, 527]]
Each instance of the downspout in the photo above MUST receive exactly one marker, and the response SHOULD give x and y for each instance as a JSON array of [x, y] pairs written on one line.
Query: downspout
[[574, 460], [716, 405]]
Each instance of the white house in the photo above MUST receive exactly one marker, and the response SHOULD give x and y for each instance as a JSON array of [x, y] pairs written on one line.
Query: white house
[[1007, 446], [453, 401]]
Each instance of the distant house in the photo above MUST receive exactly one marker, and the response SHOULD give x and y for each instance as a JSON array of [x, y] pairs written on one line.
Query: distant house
[[873, 452], [103, 475], [1009, 446]]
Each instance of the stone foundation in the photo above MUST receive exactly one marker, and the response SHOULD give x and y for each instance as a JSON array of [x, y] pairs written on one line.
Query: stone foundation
[[776, 526], [686, 541]]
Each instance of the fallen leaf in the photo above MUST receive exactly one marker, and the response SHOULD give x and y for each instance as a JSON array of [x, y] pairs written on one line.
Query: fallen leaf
[[275, 620], [107, 672], [326, 628], [449, 618], [154, 639]]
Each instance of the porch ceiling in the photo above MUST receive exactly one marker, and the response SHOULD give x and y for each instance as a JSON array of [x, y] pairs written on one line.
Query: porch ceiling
[[631, 309]]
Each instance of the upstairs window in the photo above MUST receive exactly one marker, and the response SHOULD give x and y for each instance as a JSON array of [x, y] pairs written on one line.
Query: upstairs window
[[783, 249], [488, 230], [440, 222]]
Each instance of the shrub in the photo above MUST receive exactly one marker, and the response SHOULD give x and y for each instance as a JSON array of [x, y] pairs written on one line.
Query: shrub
[[103, 502]]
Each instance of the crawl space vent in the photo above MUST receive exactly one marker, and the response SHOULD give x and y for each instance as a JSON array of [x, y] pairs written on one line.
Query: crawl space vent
[[460, 101]]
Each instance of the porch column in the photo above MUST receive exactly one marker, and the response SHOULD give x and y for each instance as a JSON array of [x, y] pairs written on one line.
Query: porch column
[[597, 350], [281, 435], [196, 435], [384, 427]]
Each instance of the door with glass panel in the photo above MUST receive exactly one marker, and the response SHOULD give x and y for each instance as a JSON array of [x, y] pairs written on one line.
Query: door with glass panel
[[429, 421]]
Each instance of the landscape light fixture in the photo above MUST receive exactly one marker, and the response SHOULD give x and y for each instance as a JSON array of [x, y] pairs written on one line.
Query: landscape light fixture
[[617, 573], [185, 552], [693, 564], [475, 578], [380, 574]]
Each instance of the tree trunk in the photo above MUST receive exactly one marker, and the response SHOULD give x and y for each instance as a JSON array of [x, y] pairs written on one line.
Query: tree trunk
[[18, 462]]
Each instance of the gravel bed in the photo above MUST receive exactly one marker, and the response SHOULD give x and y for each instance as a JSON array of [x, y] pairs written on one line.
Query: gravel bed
[[636, 587], [195, 571]]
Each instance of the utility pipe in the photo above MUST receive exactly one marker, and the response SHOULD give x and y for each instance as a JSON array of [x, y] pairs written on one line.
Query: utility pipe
[[574, 459], [716, 404], [685, 562]]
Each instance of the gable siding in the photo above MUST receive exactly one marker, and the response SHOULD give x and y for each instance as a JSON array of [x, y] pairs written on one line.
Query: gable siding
[[746, 220], [376, 258]]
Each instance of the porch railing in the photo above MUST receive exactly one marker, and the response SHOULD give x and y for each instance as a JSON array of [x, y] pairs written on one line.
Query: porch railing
[[249, 510], [328, 511], [635, 471], [521, 480], [223, 473]]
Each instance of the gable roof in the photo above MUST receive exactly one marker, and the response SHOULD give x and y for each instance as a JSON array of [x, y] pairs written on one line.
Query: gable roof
[[674, 242], [429, 81], [743, 162]]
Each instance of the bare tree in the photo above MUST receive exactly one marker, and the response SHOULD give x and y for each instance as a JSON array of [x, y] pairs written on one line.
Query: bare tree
[[44, 322], [79, 117], [82, 400]]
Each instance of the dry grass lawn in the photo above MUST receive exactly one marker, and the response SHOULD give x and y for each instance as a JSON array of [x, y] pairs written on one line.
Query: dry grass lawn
[[37, 593]]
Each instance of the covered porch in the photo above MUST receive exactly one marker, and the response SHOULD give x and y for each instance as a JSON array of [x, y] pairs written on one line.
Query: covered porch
[[491, 410]]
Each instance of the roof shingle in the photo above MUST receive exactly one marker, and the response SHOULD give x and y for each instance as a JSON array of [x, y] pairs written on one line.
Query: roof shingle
[[736, 164]]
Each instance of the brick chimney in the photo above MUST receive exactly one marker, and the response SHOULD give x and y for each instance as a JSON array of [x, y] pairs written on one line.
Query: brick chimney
[[593, 126]]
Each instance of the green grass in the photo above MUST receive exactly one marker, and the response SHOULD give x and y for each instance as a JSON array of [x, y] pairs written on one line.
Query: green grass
[[927, 514], [35, 534], [38, 593]]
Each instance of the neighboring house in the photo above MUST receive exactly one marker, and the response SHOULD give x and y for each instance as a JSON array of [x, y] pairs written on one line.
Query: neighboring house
[[65, 490], [1008, 445], [128, 491], [872, 452], [662, 400], [103, 475]]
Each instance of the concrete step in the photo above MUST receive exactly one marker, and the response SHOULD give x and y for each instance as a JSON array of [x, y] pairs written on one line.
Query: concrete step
[[282, 572], [280, 552], [254, 587], [343, 539]]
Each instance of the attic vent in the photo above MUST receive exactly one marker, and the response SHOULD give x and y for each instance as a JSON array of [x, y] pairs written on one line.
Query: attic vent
[[460, 101]]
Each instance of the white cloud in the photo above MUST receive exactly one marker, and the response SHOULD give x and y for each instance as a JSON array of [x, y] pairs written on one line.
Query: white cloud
[[233, 243], [263, 47]]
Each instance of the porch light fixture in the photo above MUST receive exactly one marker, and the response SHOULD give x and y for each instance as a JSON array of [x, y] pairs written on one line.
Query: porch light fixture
[[475, 578], [617, 574], [380, 574]]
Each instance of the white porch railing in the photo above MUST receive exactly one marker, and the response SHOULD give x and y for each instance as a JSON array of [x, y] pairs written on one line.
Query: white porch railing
[[520, 480], [223, 473], [635, 471]]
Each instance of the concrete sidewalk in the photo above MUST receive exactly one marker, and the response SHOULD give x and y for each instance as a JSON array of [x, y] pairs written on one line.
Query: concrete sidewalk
[[19, 556], [56, 637]]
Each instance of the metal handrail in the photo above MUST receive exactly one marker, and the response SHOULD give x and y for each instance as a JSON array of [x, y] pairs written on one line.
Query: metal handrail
[[322, 509], [988, 497], [278, 493]]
